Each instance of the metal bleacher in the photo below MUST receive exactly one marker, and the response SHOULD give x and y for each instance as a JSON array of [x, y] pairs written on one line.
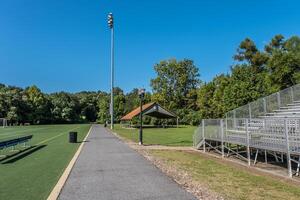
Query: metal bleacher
[[270, 125], [5, 144]]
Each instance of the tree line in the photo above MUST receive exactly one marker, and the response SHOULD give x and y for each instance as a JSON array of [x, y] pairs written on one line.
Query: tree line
[[177, 86], [31, 105]]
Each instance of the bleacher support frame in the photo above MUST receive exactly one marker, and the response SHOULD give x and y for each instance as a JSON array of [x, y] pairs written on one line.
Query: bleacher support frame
[[270, 136], [269, 125]]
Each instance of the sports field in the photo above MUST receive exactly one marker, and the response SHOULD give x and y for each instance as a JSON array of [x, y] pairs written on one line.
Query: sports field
[[181, 136], [32, 173]]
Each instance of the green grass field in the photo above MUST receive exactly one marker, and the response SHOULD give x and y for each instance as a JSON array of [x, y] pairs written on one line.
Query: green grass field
[[33, 173], [231, 182], [182, 136]]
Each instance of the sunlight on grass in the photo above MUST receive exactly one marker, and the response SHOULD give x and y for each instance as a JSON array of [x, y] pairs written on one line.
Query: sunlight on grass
[[229, 181], [182, 136], [33, 174]]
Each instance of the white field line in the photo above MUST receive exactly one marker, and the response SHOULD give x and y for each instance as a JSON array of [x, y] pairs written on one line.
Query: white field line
[[32, 130], [14, 128], [62, 180], [56, 136], [26, 130]]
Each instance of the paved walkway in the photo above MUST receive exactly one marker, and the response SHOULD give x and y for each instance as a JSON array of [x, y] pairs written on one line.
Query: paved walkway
[[107, 169]]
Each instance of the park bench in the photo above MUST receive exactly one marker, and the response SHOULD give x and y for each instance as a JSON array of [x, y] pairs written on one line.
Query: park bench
[[14, 142]]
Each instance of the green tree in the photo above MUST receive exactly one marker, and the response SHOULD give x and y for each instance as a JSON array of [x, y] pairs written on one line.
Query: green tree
[[175, 83], [88, 105], [103, 105], [119, 103], [221, 82], [205, 100], [284, 62], [65, 108], [39, 105], [175, 87]]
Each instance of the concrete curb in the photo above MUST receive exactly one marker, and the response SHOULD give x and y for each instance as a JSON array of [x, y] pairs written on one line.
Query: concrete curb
[[62, 180]]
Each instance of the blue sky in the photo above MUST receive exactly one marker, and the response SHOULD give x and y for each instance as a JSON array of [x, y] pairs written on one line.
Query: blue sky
[[64, 44]]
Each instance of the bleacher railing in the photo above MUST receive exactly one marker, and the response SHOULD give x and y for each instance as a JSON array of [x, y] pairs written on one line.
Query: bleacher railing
[[267, 104], [270, 123], [269, 134]]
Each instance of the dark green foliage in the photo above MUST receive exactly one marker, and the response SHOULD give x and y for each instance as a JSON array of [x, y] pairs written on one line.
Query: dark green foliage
[[256, 74], [284, 61], [175, 86]]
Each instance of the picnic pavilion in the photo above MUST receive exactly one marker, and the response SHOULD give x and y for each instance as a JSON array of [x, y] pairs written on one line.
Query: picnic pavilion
[[150, 109]]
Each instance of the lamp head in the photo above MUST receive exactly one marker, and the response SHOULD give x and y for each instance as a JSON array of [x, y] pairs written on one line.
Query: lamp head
[[142, 92], [110, 20]]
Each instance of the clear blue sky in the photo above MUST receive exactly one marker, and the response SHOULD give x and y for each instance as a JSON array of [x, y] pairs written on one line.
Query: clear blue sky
[[64, 44]]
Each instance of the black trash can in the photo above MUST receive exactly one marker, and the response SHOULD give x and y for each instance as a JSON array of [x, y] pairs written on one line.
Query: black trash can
[[73, 137]]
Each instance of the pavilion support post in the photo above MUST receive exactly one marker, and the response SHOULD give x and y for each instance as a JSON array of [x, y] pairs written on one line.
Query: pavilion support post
[[248, 143], [288, 155]]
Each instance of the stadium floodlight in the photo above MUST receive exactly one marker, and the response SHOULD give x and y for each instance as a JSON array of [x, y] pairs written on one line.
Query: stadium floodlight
[[110, 21], [141, 95]]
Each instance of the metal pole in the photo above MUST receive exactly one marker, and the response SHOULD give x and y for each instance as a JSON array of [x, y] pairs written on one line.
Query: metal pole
[[288, 156], [266, 157], [203, 135], [278, 100], [265, 105], [141, 123], [234, 119], [250, 114], [222, 137], [112, 80], [292, 94], [248, 143]]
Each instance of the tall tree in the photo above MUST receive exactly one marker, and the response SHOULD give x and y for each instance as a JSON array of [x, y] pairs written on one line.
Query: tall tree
[[103, 106], [175, 83], [39, 105], [284, 62], [65, 107]]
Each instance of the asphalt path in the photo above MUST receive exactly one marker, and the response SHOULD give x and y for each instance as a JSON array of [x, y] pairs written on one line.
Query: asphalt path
[[107, 169]]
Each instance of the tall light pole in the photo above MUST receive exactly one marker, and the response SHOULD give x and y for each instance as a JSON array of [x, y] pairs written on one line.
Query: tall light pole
[[141, 95], [111, 26]]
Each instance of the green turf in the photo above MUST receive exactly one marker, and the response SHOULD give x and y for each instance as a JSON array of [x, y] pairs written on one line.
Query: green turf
[[229, 181], [32, 174], [182, 136]]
